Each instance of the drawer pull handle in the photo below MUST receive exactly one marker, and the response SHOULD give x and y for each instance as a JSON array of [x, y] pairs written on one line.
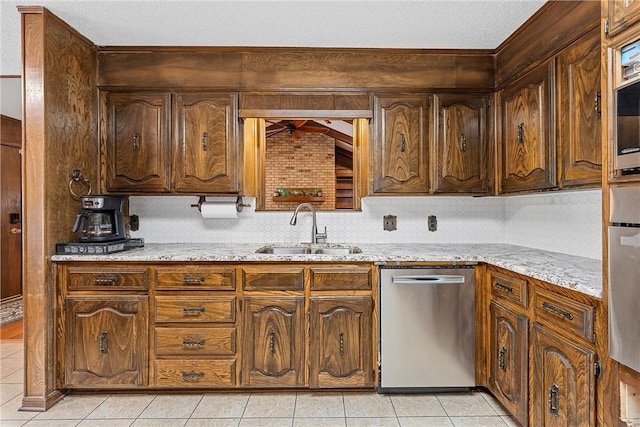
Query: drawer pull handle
[[272, 343], [558, 311], [520, 133], [103, 344], [136, 141], [205, 141], [193, 311], [341, 344], [105, 280], [553, 400], [192, 343], [502, 364], [504, 287], [403, 143], [463, 142], [190, 376], [195, 280]]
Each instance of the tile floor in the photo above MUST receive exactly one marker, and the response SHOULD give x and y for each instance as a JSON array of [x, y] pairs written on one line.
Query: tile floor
[[299, 409]]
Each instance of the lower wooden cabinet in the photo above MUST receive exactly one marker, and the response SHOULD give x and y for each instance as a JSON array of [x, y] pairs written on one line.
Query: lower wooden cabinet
[[106, 341], [273, 341], [341, 354], [563, 381], [509, 360]]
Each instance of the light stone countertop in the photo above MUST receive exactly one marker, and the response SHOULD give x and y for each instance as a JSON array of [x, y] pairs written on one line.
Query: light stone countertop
[[569, 271]]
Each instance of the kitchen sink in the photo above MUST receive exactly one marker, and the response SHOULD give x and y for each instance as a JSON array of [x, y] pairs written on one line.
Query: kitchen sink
[[309, 250]]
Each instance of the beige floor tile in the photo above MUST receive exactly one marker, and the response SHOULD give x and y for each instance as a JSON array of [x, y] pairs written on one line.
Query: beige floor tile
[[122, 406], [425, 422], [52, 423], [373, 422], [9, 348], [478, 421], [12, 423], [221, 406], [16, 378], [270, 405], [213, 422], [465, 404], [494, 403], [266, 422], [417, 405], [319, 405], [9, 391], [319, 422], [172, 406], [9, 410], [510, 421], [159, 422], [113, 422], [72, 407], [368, 405], [10, 365]]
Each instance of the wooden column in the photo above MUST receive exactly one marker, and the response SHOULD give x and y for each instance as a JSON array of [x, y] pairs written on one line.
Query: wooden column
[[59, 134]]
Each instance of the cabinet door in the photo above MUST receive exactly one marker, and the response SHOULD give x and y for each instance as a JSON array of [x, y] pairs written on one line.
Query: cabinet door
[[273, 342], [400, 151], [528, 131], [509, 360], [106, 342], [341, 349], [461, 154], [137, 146], [563, 381], [205, 151], [622, 14], [579, 113]]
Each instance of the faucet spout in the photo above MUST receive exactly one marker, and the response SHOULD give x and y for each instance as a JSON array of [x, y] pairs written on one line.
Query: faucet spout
[[314, 228]]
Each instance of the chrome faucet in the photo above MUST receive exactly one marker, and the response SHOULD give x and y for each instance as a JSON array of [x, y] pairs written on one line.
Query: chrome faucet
[[315, 236]]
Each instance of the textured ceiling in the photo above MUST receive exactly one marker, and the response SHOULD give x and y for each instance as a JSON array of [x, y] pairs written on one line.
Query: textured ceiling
[[475, 24]]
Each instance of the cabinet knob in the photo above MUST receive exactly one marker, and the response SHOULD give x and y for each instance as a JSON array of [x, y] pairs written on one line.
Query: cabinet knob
[[136, 141], [15, 230]]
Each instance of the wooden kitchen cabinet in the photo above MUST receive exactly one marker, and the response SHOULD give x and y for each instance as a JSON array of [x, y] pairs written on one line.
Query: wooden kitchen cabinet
[[528, 131], [579, 113], [137, 149], [563, 381], [400, 148], [340, 350], [273, 341], [621, 14], [205, 153], [460, 149], [106, 341]]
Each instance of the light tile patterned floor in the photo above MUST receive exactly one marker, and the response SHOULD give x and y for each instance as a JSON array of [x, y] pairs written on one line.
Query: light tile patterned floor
[[295, 409]]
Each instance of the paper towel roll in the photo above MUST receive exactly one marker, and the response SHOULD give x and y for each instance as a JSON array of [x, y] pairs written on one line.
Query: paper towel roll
[[219, 209]]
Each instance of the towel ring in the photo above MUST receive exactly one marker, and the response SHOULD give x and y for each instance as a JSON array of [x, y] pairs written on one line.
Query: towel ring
[[76, 176]]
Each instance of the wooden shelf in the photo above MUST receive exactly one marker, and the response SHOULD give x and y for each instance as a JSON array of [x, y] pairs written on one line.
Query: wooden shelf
[[298, 199]]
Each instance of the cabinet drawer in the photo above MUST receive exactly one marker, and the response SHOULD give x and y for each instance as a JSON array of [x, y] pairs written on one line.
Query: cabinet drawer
[[508, 288], [195, 373], [565, 314], [272, 278], [196, 278], [83, 278], [195, 309], [195, 341], [337, 278]]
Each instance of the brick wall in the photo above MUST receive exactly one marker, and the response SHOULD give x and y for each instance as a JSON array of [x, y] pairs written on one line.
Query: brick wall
[[305, 162]]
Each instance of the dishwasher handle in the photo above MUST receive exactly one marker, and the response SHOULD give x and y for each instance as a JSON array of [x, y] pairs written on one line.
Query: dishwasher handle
[[428, 279]]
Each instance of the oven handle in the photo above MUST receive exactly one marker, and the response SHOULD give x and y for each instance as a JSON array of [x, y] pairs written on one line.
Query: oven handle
[[428, 279]]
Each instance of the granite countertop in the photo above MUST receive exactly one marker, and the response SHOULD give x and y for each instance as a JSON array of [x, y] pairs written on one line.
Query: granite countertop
[[569, 271]]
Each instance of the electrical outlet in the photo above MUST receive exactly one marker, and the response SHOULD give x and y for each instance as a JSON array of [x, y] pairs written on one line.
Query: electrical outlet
[[432, 222], [389, 222]]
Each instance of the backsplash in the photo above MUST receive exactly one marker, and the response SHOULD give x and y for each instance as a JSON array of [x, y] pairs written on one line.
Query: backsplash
[[561, 222]]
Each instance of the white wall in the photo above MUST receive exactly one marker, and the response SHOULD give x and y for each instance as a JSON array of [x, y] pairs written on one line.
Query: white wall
[[561, 222], [11, 97]]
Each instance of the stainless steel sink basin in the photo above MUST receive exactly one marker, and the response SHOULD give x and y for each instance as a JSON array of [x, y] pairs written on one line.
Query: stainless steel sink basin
[[309, 250]]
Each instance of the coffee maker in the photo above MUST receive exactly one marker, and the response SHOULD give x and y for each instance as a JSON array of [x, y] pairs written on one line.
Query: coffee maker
[[101, 219]]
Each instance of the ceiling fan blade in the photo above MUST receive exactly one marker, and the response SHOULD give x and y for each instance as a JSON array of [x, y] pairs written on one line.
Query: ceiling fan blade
[[313, 129], [298, 123]]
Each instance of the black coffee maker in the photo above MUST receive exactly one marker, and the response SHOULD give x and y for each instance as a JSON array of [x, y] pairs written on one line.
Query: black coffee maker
[[101, 219]]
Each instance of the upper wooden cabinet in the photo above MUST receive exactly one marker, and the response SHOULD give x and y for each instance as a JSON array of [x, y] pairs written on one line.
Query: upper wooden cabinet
[[579, 122], [137, 147], [460, 145], [621, 14], [137, 150], [400, 145], [528, 131], [205, 155]]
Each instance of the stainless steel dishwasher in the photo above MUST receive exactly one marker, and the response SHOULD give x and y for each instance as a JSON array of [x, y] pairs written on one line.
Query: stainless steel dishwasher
[[427, 329]]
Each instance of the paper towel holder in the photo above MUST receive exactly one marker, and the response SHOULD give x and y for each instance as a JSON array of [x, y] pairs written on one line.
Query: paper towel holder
[[239, 203]]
